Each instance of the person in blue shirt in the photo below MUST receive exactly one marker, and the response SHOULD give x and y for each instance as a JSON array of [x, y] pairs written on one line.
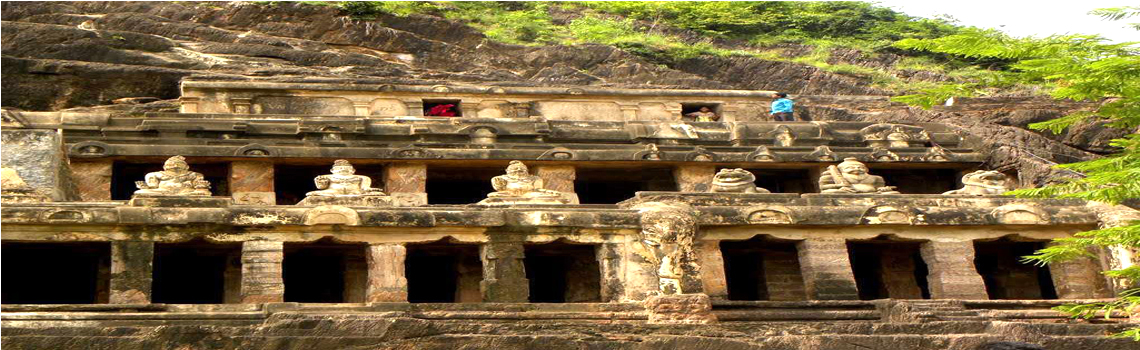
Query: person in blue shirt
[[782, 108]]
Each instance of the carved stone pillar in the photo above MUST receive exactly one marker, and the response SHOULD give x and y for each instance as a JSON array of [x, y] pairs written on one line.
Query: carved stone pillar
[[131, 267], [261, 272], [93, 179], [639, 278], [712, 269], [559, 178], [386, 278], [694, 178], [827, 269], [406, 183], [504, 277], [609, 262], [1078, 279], [251, 182], [952, 272]]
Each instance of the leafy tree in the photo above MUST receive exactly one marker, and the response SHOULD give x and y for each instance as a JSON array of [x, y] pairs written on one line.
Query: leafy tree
[[1079, 68]]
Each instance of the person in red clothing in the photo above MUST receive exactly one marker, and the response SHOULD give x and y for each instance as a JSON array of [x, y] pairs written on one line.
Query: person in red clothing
[[444, 110]]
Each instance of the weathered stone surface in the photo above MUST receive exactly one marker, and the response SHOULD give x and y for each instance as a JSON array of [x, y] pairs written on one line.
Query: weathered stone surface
[[851, 176], [1078, 279], [694, 178], [897, 266], [827, 269], [504, 276], [261, 275], [386, 281], [405, 177], [667, 241], [735, 181], [982, 183], [15, 190], [93, 179], [680, 309], [518, 186], [712, 269], [952, 272], [251, 182], [175, 180], [131, 265], [344, 188], [558, 178], [37, 156]]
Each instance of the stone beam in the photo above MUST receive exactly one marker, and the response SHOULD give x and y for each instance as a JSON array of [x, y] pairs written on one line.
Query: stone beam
[[694, 178], [504, 277], [952, 272], [261, 272], [827, 269], [251, 182], [387, 281], [132, 263]]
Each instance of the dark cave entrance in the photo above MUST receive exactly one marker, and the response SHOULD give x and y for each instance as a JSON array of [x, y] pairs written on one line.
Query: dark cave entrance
[[762, 269], [325, 272], [197, 273], [443, 272], [56, 273], [1006, 276], [560, 272], [460, 185], [613, 185], [888, 269]]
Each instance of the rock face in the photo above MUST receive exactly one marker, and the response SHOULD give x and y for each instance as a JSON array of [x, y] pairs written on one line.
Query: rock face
[[65, 55]]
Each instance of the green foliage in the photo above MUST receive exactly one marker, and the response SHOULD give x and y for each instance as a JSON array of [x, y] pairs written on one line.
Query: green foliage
[[369, 9], [1080, 68], [787, 21], [622, 34], [1119, 13]]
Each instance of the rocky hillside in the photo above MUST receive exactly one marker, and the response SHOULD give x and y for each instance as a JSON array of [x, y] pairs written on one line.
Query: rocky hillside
[[63, 55]]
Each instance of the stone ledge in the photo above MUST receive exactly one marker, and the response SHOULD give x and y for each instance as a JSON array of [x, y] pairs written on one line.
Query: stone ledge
[[748, 209]]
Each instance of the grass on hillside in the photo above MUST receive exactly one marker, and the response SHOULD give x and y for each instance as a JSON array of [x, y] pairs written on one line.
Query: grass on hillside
[[762, 28]]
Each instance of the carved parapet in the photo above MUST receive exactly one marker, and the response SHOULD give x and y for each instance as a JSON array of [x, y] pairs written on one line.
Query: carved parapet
[[894, 135]]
